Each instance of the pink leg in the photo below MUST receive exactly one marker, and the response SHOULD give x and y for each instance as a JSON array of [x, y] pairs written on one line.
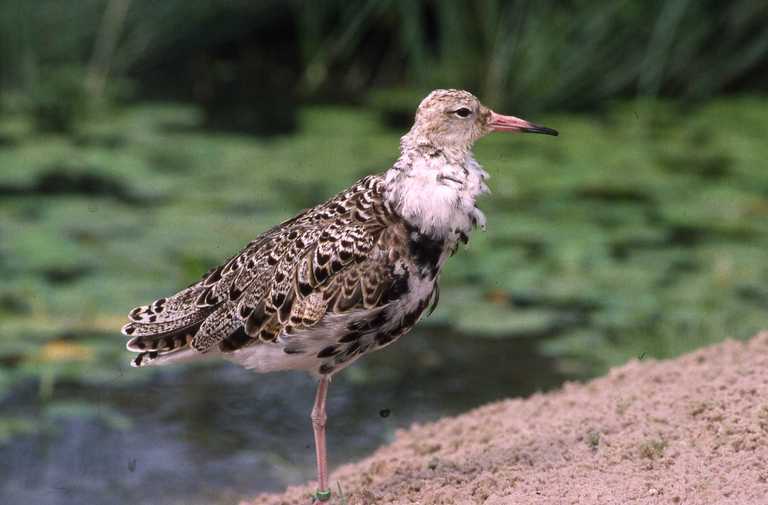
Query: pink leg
[[318, 425]]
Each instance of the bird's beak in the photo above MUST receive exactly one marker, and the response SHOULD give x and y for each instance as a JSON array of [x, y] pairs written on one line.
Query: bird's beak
[[501, 123]]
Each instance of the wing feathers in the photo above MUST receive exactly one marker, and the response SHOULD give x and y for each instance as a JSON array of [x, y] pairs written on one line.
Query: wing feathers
[[330, 258]]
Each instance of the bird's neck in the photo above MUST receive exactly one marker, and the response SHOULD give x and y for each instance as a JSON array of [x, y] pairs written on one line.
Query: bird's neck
[[434, 188]]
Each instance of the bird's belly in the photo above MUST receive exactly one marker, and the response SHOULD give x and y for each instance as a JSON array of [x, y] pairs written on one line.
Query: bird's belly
[[338, 340], [380, 328]]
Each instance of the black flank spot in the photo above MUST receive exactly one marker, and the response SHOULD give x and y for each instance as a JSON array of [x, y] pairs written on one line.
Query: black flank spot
[[379, 320], [384, 338], [336, 265], [152, 354], [130, 330], [277, 299], [271, 260], [292, 350], [139, 359], [425, 250], [329, 351], [410, 318], [279, 276], [350, 337], [326, 369], [345, 255], [245, 311], [152, 319]]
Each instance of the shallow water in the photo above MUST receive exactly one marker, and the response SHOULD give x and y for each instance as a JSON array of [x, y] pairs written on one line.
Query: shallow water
[[216, 433]]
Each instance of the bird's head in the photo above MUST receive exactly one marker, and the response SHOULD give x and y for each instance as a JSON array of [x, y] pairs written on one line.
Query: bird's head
[[455, 119]]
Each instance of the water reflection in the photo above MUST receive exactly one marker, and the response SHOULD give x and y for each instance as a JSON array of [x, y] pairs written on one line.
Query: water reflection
[[215, 433]]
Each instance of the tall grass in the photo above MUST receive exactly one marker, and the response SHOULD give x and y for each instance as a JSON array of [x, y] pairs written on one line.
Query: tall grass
[[545, 55]]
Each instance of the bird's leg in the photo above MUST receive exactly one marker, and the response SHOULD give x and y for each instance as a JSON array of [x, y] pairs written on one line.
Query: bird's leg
[[318, 425]]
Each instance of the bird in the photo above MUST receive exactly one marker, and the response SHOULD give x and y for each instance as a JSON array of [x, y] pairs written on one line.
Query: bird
[[342, 279]]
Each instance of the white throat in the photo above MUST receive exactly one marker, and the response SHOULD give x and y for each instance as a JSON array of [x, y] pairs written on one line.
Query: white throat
[[435, 189]]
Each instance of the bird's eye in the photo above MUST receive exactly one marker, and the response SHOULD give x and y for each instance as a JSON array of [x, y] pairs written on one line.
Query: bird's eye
[[463, 112]]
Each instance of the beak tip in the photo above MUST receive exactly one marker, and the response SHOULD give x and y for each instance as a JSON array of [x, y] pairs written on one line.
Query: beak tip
[[541, 129]]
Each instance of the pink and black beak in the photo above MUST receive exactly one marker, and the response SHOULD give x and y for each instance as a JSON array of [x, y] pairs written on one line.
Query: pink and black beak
[[501, 123]]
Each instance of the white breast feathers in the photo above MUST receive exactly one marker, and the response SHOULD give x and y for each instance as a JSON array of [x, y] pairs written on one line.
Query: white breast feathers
[[436, 195]]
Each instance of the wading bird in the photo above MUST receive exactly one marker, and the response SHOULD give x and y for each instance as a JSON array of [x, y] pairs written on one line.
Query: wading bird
[[344, 278]]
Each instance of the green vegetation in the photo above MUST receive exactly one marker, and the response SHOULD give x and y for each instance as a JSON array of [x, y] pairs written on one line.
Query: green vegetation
[[638, 233], [571, 54]]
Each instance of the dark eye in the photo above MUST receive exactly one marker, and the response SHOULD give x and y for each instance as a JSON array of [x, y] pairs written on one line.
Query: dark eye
[[463, 112]]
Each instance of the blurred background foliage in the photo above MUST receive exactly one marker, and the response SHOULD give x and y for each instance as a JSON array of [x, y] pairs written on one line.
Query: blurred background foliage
[[240, 59], [143, 142]]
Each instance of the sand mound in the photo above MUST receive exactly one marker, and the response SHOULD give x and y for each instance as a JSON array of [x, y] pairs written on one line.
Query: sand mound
[[693, 430]]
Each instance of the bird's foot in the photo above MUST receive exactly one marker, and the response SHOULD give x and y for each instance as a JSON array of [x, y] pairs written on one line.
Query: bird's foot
[[321, 496]]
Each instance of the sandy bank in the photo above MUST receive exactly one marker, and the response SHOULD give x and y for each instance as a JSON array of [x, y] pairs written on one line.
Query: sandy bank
[[693, 430]]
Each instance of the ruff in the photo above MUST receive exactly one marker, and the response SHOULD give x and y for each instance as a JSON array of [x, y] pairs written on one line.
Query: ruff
[[344, 278]]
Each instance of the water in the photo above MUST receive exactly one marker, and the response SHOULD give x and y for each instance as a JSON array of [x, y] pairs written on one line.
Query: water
[[216, 433]]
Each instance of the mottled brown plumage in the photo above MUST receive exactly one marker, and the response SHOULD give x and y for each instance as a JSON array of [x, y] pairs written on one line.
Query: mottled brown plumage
[[344, 278], [334, 259]]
